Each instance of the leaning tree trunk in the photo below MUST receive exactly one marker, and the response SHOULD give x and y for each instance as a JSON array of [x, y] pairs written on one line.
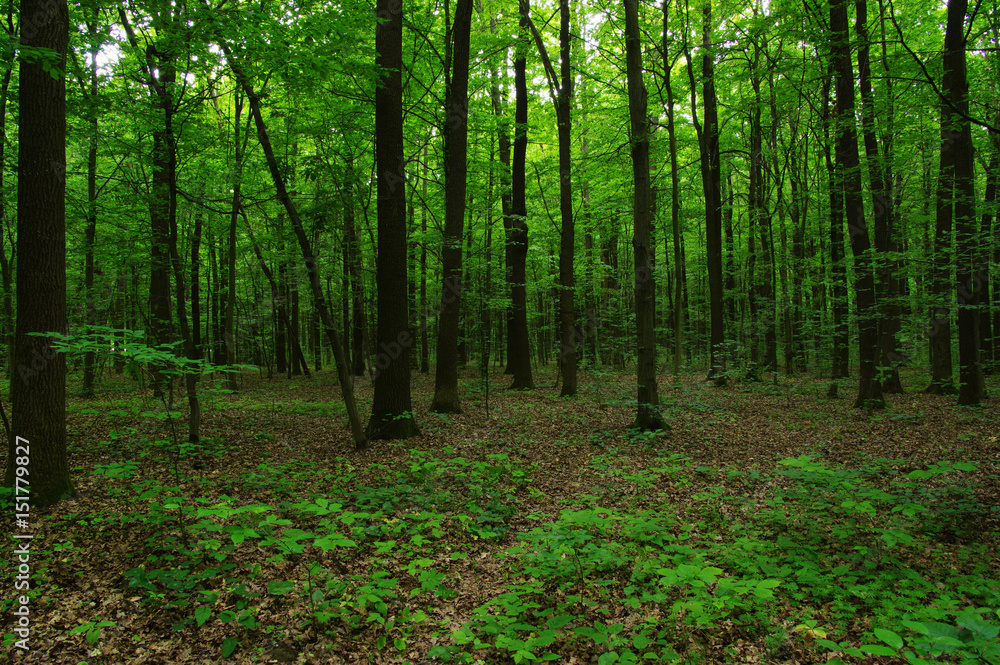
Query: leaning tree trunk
[[346, 387]]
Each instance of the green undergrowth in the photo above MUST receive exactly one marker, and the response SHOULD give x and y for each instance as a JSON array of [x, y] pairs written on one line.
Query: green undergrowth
[[882, 558]]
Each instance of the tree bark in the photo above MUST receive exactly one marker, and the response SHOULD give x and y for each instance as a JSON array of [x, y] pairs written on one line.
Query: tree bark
[[849, 173], [519, 348], [648, 416], [392, 411], [455, 132], [37, 440], [956, 86]]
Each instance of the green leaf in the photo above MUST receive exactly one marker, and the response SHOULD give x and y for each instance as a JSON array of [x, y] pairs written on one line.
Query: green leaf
[[890, 638], [202, 614], [559, 621], [978, 625], [229, 646], [279, 588], [878, 650], [608, 658]]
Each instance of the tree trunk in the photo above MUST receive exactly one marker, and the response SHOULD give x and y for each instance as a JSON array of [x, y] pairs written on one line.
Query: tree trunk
[[648, 416], [955, 85], [567, 246], [90, 226], [37, 438], [346, 388], [455, 131], [840, 353], [849, 172], [711, 181], [675, 206], [519, 348], [392, 412]]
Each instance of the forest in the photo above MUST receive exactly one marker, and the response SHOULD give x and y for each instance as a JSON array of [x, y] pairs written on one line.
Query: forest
[[424, 331]]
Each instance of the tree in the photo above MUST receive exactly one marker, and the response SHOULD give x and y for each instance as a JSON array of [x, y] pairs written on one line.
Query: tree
[[711, 182], [848, 170], [392, 416], [675, 201], [37, 437], [955, 87], [648, 416], [516, 224], [455, 131]]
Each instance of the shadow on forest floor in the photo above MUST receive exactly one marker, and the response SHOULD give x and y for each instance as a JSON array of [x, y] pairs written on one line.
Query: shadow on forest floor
[[771, 524]]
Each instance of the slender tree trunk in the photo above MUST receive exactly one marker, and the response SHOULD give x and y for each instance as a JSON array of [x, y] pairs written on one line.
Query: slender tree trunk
[[90, 227], [675, 206], [879, 174], [648, 416], [346, 388], [519, 348], [990, 325], [567, 245], [455, 131], [840, 354], [849, 170], [229, 314], [6, 263], [955, 85], [711, 180]]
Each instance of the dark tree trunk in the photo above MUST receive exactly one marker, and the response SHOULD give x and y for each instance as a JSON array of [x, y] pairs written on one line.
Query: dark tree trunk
[[990, 325], [711, 181], [648, 416], [519, 348], [455, 131], [392, 411], [38, 385], [567, 245], [880, 177], [849, 173], [229, 313], [840, 353], [955, 86], [90, 226], [675, 204]]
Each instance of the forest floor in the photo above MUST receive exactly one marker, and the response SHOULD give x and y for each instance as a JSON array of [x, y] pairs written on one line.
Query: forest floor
[[770, 525]]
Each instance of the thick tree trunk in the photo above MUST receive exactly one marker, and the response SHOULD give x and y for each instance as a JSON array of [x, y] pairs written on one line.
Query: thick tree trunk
[[392, 411], [37, 441]]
